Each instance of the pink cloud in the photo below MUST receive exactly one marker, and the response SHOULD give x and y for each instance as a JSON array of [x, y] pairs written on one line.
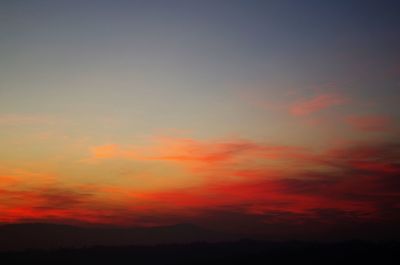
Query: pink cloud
[[317, 103], [369, 123]]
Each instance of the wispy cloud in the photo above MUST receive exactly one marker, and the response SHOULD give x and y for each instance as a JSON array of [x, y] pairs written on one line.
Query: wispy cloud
[[193, 151], [24, 119], [316, 103], [370, 123]]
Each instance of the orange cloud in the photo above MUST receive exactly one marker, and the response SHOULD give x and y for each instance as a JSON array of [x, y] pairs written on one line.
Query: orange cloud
[[187, 150], [317, 103], [110, 151], [104, 151], [191, 150]]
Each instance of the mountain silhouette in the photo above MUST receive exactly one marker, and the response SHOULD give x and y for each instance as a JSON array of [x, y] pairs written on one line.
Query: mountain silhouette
[[50, 236]]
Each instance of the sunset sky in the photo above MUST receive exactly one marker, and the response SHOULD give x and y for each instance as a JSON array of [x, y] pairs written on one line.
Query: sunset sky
[[244, 116]]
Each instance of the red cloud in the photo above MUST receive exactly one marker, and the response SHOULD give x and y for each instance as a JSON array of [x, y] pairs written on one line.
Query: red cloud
[[50, 203], [370, 123], [362, 180], [362, 185], [357, 183], [307, 106]]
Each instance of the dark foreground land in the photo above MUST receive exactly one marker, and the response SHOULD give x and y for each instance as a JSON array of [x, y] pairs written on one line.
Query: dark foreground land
[[240, 252]]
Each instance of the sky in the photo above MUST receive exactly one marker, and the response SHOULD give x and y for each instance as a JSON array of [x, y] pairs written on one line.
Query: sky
[[256, 117]]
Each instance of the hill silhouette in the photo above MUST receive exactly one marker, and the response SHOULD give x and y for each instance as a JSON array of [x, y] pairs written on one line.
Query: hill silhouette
[[43, 243], [241, 252], [51, 236]]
